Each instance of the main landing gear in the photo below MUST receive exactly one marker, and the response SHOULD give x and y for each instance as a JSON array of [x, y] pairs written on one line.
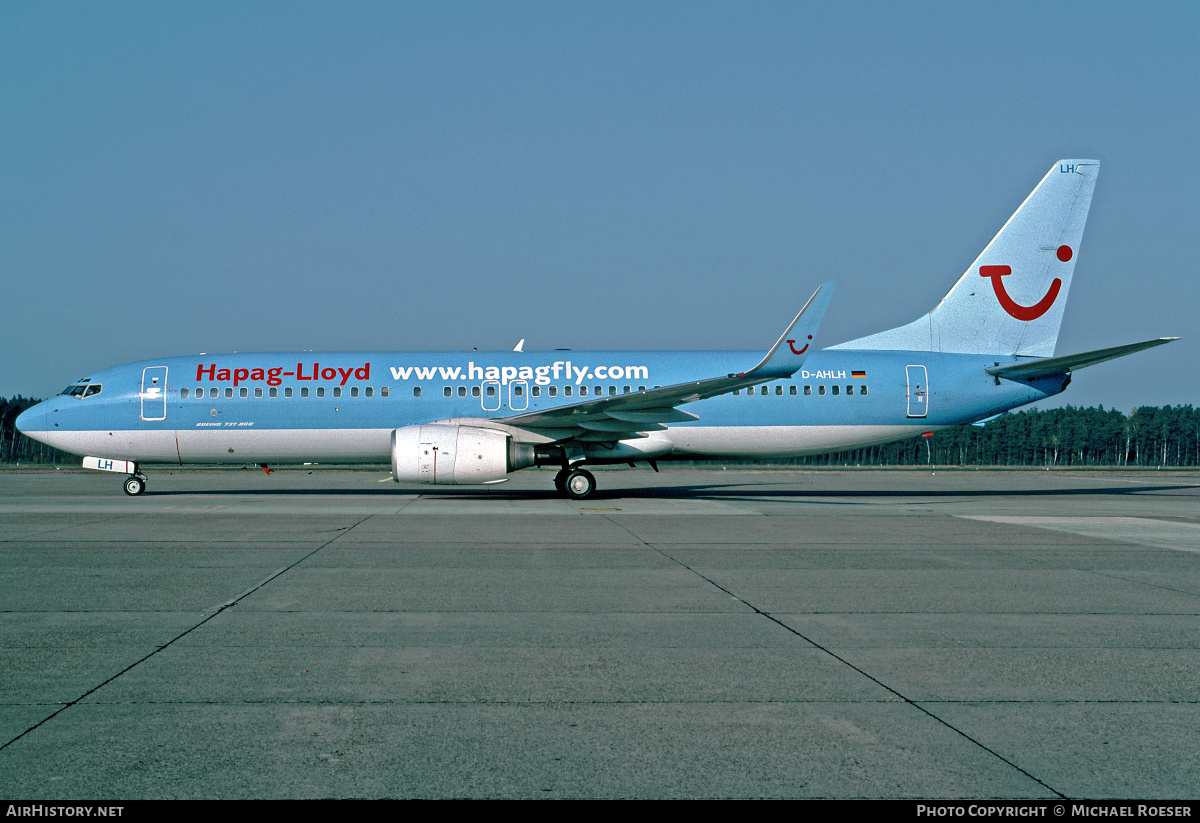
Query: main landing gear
[[135, 484], [575, 483]]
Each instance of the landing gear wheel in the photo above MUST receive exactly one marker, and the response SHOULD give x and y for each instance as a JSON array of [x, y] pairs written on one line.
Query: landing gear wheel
[[579, 484], [134, 485], [560, 481]]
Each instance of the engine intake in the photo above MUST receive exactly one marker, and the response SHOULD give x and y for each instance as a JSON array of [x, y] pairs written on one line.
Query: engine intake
[[438, 454]]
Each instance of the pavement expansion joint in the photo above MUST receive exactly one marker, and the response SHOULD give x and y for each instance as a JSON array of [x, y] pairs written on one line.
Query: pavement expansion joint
[[181, 635], [850, 665]]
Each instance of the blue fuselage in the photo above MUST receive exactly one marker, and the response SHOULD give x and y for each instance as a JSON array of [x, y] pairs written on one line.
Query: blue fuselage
[[300, 407]]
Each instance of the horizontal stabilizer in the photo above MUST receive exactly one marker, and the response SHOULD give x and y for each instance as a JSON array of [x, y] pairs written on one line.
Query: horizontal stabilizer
[[1030, 369]]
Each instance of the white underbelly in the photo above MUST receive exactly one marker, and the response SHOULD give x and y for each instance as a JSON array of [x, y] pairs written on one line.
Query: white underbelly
[[231, 445], [783, 441]]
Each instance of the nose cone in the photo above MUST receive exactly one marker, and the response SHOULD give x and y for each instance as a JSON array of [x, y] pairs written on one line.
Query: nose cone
[[32, 420]]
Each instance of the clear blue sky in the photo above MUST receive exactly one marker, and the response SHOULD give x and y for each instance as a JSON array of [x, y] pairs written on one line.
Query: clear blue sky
[[184, 177]]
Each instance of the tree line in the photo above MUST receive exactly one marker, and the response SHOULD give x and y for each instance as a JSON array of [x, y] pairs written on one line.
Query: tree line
[[16, 447], [1149, 436]]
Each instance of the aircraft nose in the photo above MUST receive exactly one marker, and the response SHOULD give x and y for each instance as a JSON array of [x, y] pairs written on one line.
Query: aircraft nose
[[33, 419]]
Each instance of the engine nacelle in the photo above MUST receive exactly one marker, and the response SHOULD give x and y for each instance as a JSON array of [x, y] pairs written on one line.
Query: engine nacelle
[[455, 455]]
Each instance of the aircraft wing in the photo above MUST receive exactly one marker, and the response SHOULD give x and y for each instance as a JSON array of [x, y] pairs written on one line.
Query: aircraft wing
[[1046, 367], [625, 416]]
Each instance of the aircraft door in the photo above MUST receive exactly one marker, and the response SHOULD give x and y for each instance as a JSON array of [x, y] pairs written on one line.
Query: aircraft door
[[154, 393], [918, 391], [489, 396], [518, 395]]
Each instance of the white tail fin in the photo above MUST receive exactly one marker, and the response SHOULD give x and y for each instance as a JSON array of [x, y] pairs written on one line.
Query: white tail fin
[[1011, 299]]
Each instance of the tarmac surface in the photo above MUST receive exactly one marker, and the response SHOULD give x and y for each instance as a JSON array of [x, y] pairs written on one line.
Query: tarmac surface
[[958, 634]]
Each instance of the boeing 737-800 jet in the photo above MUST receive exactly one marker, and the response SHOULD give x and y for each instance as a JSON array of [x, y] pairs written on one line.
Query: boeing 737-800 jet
[[453, 418]]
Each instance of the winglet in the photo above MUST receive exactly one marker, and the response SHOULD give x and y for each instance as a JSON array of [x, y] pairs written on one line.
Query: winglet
[[793, 346]]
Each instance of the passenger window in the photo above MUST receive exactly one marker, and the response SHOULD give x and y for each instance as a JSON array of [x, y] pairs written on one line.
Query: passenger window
[[320, 391], [792, 391], [808, 391], [837, 390], [368, 392], [416, 391], [779, 391], [625, 390], [474, 391], [274, 392], [863, 389], [566, 391], [228, 392], [462, 391], [258, 391], [287, 392], [243, 392], [582, 391], [537, 391], [821, 390], [849, 390], [354, 391], [304, 391], [183, 392], [213, 392], [447, 392], [737, 391], [491, 391], [384, 391], [599, 391], [764, 391], [337, 391], [518, 391], [554, 391], [641, 388]]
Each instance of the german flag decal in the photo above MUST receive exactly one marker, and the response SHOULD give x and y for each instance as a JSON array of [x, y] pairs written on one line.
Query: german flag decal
[[858, 374]]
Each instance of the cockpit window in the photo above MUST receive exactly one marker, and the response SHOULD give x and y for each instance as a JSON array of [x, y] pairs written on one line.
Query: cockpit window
[[81, 390]]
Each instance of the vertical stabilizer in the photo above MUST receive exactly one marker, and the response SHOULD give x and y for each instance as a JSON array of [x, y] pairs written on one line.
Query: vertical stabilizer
[[1011, 299]]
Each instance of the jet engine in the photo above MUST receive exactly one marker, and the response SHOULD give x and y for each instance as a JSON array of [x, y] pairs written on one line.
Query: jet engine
[[455, 455]]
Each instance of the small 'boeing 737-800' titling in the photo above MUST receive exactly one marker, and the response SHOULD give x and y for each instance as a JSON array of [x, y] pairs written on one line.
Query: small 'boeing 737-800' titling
[[455, 418]]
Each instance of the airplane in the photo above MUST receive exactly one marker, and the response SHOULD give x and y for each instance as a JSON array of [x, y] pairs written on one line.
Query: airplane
[[463, 418]]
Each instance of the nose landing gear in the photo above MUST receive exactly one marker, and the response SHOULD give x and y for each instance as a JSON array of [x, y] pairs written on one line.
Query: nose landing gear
[[135, 484]]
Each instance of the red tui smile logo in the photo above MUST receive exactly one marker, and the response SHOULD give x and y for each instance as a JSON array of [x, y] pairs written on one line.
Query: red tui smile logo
[[792, 346], [1014, 308]]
